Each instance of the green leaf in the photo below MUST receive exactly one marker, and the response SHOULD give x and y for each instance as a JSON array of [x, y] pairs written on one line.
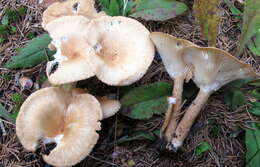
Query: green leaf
[[145, 93], [255, 108], [233, 9], [113, 9], [144, 101], [251, 22], [139, 135], [21, 11], [4, 29], [10, 14], [252, 140], [34, 53], [254, 44], [13, 29], [5, 20], [256, 93], [158, 10], [202, 148], [206, 12], [255, 82], [234, 98], [104, 4], [6, 115]]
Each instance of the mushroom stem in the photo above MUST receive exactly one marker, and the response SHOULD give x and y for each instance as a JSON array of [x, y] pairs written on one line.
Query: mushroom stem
[[173, 112], [191, 114]]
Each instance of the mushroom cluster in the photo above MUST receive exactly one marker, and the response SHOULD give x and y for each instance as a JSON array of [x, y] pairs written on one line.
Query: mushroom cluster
[[117, 50], [210, 68]]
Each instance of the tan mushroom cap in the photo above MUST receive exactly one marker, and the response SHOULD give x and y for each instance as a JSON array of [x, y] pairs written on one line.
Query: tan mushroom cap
[[214, 68], [170, 49], [70, 7], [117, 50], [124, 47], [74, 60], [109, 106], [69, 120]]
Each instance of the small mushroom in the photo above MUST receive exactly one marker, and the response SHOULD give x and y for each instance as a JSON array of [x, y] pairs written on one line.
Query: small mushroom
[[170, 49], [108, 105], [212, 68], [54, 115], [70, 7], [117, 50]]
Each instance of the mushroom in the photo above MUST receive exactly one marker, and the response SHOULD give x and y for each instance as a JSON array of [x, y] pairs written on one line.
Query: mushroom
[[70, 7], [212, 68], [170, 49], [108, 105], [55, 115], [89, 46]]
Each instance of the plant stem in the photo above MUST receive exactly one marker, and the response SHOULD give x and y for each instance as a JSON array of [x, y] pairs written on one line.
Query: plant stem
[[189, 117], [173, 112]]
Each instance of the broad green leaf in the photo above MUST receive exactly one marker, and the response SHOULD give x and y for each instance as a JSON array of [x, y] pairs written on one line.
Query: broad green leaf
[[206, 12], [234, 98], [255, 108], [254, 44], [146, 109], [6, 115], [144, 101], [34, 53], [203, 147], [158, 10], [251, 22], [252, 140]]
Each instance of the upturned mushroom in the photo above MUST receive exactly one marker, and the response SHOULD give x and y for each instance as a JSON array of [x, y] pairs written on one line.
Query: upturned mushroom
[[68, 118], [170, 49], [117, 50], [212, 68], [68, 8]]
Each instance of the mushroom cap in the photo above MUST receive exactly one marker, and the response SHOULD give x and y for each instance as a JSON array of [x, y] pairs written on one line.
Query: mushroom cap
[[70, 120], [74, 60], [214, 67], [124, 47], [170, 49], [117, 50], [109, 106], [70, 7]]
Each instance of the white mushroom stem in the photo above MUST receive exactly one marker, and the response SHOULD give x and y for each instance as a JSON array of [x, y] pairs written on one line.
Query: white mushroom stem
[[173, 112], [191, 114]]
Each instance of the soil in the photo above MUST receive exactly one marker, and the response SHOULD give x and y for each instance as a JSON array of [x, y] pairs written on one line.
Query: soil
[[227, 145]]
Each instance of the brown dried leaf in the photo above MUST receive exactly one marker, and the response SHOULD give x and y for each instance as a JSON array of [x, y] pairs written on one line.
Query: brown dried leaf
[[206, 12]]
